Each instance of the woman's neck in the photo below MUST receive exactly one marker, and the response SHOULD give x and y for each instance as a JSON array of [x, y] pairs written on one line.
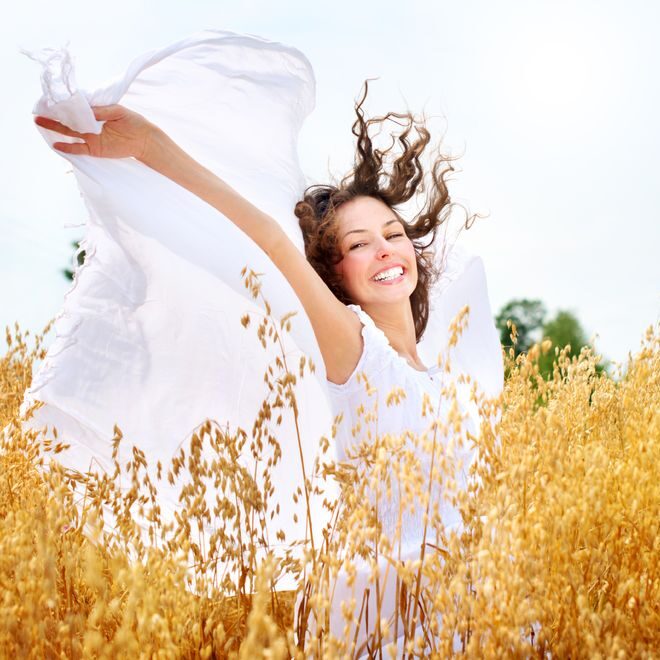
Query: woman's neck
[[397, 322]]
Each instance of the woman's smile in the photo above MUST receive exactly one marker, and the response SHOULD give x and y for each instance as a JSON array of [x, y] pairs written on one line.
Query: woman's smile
[[390, 275]]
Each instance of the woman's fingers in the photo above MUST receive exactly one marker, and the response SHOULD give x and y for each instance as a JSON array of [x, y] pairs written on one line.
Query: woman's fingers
[[121, 139], [75, 148], [56, 126]]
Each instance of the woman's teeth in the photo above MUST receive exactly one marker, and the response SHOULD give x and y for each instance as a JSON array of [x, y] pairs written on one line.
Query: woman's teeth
[[390, 274]]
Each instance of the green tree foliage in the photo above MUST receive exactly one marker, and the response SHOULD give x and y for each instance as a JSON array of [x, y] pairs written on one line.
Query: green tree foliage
[[564, 329], [67, 272], [528, 315]]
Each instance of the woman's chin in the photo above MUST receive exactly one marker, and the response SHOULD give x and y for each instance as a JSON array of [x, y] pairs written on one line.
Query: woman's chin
[[390, 295]]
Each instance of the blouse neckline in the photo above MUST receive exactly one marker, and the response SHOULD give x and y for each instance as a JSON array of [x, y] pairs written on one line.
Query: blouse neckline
[[367, 320]]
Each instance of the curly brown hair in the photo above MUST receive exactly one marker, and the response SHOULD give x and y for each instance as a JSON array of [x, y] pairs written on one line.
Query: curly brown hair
[[393, 179]]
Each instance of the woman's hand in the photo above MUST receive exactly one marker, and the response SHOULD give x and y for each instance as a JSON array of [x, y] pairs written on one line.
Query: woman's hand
[[124, 134]]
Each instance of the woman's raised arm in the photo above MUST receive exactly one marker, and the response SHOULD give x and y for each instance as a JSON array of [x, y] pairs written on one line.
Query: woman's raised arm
[[128, 134]]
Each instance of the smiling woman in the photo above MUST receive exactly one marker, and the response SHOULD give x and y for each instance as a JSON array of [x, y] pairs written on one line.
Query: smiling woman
[[150, 337]]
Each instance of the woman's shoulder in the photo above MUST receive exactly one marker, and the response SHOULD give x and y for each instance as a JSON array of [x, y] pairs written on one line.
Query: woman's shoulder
[[377, 353]]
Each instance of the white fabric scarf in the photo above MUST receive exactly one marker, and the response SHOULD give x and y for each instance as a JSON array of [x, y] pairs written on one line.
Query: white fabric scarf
[[149, 337]]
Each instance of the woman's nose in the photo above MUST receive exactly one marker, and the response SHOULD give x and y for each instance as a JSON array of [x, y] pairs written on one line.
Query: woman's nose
[[384, 249]]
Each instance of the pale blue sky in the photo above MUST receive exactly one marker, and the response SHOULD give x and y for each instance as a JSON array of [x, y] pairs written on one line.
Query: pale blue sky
[[553, 104]]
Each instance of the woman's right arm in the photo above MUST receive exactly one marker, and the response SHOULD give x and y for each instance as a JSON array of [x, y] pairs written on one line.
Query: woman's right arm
[[337, 329], [125, 133]]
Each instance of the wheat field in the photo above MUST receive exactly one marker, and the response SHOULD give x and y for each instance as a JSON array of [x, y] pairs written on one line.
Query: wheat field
[[558, 556]]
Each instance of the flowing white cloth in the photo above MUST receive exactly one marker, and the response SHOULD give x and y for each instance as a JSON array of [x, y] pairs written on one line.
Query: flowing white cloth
[[149, 337]]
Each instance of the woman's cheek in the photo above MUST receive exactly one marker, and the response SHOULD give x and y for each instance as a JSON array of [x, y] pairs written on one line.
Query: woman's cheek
[[347, 273]]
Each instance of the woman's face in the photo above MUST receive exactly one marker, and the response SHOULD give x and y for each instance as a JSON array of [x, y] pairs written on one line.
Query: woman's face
[[378, 260]]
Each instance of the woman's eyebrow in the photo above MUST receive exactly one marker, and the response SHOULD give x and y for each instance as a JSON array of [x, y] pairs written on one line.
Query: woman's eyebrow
[[356, 231]]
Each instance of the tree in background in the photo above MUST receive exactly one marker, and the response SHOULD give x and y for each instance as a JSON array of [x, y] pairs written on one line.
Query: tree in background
[[67, 272], [528, 315], [531, 326]]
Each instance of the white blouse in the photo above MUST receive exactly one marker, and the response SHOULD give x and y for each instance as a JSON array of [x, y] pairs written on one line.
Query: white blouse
[[386, 371]]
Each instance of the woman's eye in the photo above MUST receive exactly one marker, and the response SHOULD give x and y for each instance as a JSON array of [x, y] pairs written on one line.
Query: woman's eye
[[357, 245]]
